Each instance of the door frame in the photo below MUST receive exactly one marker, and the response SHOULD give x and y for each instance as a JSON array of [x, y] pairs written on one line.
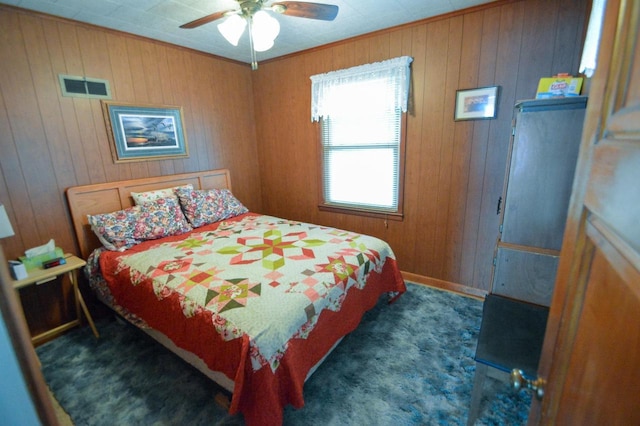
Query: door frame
[[607, 93]]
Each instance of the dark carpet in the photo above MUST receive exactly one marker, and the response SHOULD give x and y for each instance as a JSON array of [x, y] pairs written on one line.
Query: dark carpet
[[409, 363]]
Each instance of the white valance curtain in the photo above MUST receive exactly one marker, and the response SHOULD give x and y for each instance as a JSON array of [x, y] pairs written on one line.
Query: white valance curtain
[[594, 29], [327, 90]]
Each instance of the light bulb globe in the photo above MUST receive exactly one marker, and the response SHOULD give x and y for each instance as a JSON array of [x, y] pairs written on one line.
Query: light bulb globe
[[262, 45], [232, 28], [265, 26]]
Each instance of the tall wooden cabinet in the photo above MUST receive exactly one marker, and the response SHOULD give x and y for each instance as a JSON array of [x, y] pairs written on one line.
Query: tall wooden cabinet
[[539, 177]]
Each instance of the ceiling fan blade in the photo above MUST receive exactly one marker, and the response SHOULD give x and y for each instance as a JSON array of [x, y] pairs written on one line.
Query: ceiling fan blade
[[324, 12], [206, 19]]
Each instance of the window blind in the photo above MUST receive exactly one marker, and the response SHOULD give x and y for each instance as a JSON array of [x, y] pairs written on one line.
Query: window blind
[[361, 112]]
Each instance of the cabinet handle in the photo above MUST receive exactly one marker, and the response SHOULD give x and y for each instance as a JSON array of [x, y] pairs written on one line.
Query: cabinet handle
[[499, 205]]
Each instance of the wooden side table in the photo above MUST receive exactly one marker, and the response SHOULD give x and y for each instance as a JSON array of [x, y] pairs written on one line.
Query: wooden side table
[[42, 276]]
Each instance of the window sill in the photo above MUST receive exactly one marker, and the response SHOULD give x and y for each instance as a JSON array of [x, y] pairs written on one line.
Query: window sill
[[362, 212]]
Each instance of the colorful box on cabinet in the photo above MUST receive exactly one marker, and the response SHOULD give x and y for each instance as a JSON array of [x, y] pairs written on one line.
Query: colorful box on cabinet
[[560, 86]]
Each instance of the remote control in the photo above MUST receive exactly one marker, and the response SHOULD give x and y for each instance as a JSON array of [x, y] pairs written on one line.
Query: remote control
[[54, 262]]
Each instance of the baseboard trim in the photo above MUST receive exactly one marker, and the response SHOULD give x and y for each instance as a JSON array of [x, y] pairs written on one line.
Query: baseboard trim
[[445, 285]]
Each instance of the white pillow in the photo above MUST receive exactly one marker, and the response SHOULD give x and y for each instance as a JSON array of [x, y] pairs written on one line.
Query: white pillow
[[141, 198]]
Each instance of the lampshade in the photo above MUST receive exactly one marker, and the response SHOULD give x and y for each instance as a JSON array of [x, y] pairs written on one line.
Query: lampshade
[[232, 28], [261, 45], [5, 225], [265, 30]]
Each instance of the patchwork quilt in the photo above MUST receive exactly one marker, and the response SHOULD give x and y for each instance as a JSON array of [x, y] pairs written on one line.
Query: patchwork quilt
[[260, 280]]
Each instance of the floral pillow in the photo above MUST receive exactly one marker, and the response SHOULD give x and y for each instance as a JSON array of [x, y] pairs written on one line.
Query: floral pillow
[[203, 207], [124, 229], [146, 197]]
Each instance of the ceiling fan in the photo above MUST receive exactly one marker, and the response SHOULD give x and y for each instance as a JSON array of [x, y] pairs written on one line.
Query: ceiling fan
[[263, 28]]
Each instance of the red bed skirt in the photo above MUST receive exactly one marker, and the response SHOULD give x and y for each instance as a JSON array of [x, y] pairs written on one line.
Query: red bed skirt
[[259, 395]]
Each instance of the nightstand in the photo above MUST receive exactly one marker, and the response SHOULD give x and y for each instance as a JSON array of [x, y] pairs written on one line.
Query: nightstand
[[43, 276]]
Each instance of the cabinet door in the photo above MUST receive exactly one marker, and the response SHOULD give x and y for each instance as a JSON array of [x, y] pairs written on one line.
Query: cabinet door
[[525, 275], [543, 159]]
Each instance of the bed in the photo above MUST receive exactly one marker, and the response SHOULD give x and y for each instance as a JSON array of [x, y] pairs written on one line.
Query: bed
[[254, 302]]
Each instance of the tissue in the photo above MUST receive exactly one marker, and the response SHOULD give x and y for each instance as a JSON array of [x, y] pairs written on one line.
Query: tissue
[[43, 249]]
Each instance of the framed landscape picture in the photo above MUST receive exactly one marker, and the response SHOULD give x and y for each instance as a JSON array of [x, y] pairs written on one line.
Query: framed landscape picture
[[476, 104], [144, 132]]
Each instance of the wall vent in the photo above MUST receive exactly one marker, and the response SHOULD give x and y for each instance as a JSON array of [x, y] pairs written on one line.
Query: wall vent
[[84, 87]]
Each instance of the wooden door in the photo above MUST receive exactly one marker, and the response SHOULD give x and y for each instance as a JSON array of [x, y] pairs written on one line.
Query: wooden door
[[591, 352]]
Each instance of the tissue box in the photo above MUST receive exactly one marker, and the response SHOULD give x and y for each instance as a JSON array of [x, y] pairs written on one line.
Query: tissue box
[[559, 87], [36, 262]]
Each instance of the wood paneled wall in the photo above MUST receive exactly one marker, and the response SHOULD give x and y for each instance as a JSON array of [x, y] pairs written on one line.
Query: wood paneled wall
[[258, 125], [50, 142], [454, 170]]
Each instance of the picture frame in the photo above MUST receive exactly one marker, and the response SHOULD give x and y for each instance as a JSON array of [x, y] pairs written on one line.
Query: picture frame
[[144, 132], [476, 104]]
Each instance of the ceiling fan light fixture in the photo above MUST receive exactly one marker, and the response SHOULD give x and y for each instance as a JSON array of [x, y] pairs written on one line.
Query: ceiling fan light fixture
[[278, 8], [265, 30], [232, 28], [262, 45]]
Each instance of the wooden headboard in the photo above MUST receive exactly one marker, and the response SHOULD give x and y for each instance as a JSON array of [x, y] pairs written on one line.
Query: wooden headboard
[[113, 196]]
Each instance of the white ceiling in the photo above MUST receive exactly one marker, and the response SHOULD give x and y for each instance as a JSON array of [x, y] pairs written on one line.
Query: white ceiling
[[161, 20]]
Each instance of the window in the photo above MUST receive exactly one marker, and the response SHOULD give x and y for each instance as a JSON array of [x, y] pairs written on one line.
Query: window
[[361, 117]]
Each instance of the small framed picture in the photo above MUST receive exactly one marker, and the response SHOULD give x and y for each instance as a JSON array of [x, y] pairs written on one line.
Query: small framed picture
[[144, 132], [476, 104]]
